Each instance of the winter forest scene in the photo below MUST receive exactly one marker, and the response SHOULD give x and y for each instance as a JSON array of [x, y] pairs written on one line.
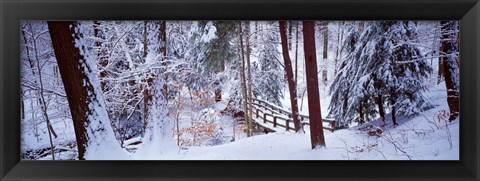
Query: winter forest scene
[[240, 90]]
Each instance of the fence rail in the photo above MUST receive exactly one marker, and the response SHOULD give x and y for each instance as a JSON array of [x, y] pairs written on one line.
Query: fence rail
[[281, 117]]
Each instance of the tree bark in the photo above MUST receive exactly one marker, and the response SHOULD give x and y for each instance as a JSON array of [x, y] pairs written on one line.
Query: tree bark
[[360, 118], [145, 40], [289, 76], [290, 28], [394, 117], [296, 55], [43, 103], [449, 46], [250, 96], [163, 51], [101, 53], [244, 83], [440, 68], [314, 109], [381, 111], [90, 118], [325, 40], [325, 51], [339, 42], [22, 105], [393, 101]]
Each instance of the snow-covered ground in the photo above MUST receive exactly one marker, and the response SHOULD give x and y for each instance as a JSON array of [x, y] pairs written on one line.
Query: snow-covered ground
[[206, 134], [423, 137]]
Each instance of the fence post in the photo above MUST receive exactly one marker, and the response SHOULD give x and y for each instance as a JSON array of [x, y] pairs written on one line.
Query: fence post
[[287, 124], [334, 125], [257, 112], [264, 118], [275, 121]]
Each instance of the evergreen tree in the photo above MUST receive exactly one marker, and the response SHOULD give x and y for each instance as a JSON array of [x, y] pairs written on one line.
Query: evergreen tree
[[340, 87], [271, 82], [386, 67]]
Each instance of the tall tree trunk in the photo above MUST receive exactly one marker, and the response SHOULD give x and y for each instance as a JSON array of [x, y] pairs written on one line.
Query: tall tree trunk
[[158, 137], [325, 39], [145, 40], [250, 96], [290, 24], [30, 61], [22, 103], [381, 111], [345, 105], [440, 68], [256, 34], [361, 114], [314, 109], [32, 68], [43, 103], [101, 53], [435, 47], [93, 132], [296, 55], [325, 51], [339, 42], [145, 92], [393, 101], [289, 74], [449, 46], [163, 51], [441, 60], [244, 83], [394, 117]]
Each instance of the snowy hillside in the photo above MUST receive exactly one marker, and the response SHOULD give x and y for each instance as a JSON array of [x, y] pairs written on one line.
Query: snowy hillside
[[423, 137], [240, 90]]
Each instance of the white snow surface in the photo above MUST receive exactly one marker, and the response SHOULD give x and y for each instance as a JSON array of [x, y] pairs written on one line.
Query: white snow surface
[[423, 137]]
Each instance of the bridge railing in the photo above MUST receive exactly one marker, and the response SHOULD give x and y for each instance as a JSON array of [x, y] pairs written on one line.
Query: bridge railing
[[282, 117]]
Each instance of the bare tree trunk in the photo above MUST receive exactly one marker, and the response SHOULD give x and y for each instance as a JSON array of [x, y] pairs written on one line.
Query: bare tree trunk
[[314, 109], [345, 104], [381, 111], [290, 24], [43, 103], [394, 117], [449, 46], [90, 118], [163, 51], [30, 61], [145, 92], [296, 56], [440, 69], [244, 83], [325, 51], [256, 34], [145, 40], [361, 114], [339, 42], [290, 81], [22, 104], [434, 46], [393, 101], [101, 53], [250, 96], [325, 40]]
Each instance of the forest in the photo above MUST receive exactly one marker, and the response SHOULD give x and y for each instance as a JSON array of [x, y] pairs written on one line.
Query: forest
[[240, 90]]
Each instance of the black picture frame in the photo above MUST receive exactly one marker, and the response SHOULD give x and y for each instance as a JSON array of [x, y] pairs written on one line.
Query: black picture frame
[[12, 11]]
